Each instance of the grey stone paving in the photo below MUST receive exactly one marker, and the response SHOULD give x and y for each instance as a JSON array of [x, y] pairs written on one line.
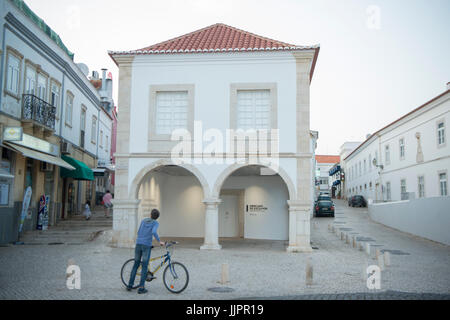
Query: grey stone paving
[[258, 269]]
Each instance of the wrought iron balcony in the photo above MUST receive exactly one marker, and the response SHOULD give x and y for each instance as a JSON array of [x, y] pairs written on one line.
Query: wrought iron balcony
[[38, 111]]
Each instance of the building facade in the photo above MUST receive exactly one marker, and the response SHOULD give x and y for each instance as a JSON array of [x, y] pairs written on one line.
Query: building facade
[[407, 159], [323, 165], [49, 98], [207, 84]]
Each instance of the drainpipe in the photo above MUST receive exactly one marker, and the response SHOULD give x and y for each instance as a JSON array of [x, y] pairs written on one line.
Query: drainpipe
[[2, 66]]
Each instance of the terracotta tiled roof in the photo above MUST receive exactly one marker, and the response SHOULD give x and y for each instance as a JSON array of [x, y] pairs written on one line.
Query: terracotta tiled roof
[[218, 37], [327, 159]]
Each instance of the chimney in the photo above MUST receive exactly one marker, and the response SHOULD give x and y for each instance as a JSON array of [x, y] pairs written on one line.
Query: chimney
[[104, 79], [448, 85]]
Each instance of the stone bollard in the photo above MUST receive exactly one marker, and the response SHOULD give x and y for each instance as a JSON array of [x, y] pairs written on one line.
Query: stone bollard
[[360, 246], [309, 272], [347, 239], [380, 260], [387, 258], [368, 248], [377, 253], [354, 242], [342, 235], [225, 273]]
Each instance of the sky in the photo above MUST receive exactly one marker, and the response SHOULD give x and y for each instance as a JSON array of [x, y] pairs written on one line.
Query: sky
[[379, 59]]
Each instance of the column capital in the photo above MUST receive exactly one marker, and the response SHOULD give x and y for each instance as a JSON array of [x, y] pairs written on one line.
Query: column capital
[[125, 203], [298, 205], [212, 201]]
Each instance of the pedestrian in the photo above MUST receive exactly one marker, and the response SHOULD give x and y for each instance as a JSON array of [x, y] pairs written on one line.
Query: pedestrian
[[147, 230], [107, 197], [87, 210]]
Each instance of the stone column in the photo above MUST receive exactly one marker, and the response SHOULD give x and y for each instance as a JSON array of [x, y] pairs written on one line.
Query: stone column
[[211, 225], [125, 223], [125, 206], [300, 208], [299, 227]]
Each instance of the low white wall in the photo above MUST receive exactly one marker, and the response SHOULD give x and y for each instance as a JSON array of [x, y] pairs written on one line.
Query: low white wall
[[427, 218]]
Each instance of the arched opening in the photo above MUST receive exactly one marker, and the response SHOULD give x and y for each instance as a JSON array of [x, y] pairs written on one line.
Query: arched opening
[[178, 194], [253, 204]]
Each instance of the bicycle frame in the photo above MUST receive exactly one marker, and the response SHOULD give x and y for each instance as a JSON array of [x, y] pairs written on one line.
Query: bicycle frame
[[165, 258]]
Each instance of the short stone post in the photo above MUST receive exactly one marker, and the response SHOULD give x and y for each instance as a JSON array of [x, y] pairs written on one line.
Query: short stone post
[[347, 238], [368, 248], [360, 246], [225, 274], [342, 235], [387, 258], [380, 260], [309, 272], [377, 253]]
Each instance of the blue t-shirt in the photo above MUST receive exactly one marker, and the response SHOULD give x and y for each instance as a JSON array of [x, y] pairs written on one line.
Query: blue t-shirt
[[147, 230]]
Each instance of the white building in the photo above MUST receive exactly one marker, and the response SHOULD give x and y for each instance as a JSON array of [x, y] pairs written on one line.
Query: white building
[[408, 158], [344, 151], [207, 82], [323, 165], [45, 94]]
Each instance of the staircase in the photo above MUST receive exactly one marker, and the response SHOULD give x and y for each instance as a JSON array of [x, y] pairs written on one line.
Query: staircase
[[75, 230]]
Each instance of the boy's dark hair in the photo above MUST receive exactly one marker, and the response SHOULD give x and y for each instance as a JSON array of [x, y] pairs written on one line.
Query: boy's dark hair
[[107, 191], [155, 214]]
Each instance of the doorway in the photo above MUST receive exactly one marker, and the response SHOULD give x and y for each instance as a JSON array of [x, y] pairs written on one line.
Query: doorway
[[231, 214]]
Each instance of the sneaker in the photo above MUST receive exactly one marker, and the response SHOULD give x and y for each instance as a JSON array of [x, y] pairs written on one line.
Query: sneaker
[[129, 288], [142, 290]]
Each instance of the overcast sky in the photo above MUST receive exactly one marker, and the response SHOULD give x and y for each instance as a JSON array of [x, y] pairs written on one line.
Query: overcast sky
[[378, 59]]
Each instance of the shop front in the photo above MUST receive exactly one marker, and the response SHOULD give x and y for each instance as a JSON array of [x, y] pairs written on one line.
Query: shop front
[[28, 162]]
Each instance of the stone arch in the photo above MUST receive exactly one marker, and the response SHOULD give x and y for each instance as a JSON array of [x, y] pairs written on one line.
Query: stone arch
[[229, 170], [135, 185]]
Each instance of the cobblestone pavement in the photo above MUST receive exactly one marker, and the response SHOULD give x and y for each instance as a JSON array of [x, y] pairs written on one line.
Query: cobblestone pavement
[[258, 268]]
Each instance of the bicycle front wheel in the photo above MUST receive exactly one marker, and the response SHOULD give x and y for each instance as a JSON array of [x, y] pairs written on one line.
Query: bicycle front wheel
[[125, 273], [176, 277]]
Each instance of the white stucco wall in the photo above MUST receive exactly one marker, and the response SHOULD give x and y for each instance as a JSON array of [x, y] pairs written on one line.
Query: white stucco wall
[[427, 218], [212, 75], [270, 192], [436, 159]]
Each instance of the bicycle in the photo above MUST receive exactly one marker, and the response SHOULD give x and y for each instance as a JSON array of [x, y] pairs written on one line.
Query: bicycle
[[175, 274]]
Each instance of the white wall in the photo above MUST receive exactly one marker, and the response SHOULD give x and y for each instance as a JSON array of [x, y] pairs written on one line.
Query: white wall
[[212, 75], [271, 192], [428, 217]]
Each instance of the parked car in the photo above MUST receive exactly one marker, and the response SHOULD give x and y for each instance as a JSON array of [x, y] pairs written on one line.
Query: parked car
[[322, 197], [324, 208], [357, 201], [350, 200]]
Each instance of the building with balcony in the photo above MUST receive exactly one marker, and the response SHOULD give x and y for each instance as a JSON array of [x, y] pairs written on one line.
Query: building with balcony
[[214, 131], [54, 123]]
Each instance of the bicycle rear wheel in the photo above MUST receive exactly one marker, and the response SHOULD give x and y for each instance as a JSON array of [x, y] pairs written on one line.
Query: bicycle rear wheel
[[176, 277], [125, 273]]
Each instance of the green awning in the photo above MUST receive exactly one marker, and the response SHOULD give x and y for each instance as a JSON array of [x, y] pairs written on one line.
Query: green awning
[[81, 172]]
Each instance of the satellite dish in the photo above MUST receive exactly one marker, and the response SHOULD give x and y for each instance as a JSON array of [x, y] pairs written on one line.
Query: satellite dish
[[83, 68]]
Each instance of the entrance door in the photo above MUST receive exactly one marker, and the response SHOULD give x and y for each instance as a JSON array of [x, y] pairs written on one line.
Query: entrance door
[[228, 216]]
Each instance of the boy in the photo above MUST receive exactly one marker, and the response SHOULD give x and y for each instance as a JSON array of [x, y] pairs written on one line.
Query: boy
[[147, 230]]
